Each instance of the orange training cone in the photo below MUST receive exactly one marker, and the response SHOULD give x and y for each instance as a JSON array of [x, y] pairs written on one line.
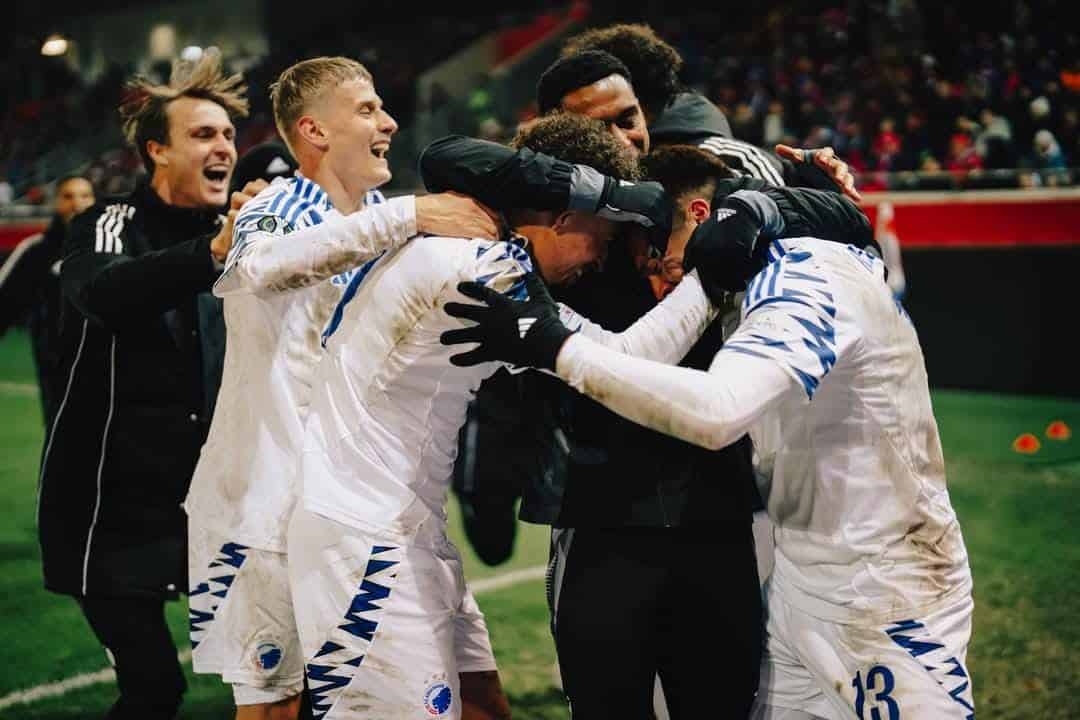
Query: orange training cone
[[1058, 430], [1026, 444]]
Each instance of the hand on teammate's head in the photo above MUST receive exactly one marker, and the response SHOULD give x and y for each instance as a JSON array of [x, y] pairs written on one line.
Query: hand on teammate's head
[[826, 159]]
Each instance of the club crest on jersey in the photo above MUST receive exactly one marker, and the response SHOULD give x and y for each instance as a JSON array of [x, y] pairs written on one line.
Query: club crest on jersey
[[267, 656], [723, 214], [438, 698]]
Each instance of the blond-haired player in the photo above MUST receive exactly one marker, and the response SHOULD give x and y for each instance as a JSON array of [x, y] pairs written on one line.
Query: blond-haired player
[[329, 114]]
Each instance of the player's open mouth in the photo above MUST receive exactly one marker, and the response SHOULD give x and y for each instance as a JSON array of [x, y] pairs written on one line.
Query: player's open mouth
[[216, 173], [379, 150]]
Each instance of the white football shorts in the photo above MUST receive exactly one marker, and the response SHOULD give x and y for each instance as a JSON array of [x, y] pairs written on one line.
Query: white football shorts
[[241, 613], [911, 668], [386, 626]]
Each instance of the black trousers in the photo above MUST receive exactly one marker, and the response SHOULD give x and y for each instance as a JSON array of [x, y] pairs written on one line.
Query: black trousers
[[148, 674], [629, 604]]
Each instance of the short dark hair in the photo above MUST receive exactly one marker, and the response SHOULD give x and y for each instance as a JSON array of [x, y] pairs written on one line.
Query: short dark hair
[[69, 177], [654, 64], [684, 170], [579, 140], [571, 72]]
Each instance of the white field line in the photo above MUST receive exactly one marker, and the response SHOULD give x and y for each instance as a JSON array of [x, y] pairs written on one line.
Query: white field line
[[15, 388], [75, 682]]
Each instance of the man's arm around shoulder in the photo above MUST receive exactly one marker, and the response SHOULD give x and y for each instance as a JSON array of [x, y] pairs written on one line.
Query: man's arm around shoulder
[[109, 285]]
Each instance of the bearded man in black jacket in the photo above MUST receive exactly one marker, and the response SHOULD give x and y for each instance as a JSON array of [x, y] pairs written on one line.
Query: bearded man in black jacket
[[142, 341]]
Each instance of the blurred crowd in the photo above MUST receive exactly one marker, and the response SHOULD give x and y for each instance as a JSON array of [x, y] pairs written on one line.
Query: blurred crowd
[[912, 95], [902, 87]]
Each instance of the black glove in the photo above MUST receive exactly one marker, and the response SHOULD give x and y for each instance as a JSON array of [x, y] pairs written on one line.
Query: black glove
[[721, 249], [644, 203], [527, 333]]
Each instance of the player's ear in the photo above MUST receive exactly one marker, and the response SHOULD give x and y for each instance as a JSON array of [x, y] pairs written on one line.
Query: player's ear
[[157, 153], [312, 131], [699, 209], [562, 220]]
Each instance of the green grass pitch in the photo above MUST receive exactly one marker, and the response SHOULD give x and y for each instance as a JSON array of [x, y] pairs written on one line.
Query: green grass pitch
[[1020, 516]]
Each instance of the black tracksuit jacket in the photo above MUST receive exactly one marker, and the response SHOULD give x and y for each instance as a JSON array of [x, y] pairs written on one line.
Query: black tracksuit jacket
[[143, 342]]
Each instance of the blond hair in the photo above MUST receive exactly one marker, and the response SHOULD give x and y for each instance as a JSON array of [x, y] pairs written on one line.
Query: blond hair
[[143, 111], [305, 82]]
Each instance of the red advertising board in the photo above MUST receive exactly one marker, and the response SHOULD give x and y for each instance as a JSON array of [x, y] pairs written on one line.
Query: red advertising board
[[984, 218]]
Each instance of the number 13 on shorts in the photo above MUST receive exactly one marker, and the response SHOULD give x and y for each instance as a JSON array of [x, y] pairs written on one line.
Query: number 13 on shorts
[[878, 685], [913, 692]]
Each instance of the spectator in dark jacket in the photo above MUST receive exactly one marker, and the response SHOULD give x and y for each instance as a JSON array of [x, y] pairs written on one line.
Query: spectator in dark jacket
[[141, 341], [30, 289]]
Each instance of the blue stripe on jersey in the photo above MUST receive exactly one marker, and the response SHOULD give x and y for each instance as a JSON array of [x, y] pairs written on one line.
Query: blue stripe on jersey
[[286, 195], [776, 251], [506, 260], [795, 274], [350, 292], [808, 303], [283, 211], [822, 342], [301, 207], [863, 257], [278, 199]]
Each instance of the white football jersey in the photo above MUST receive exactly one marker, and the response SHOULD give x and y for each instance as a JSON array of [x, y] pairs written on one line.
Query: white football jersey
[[278, 294], [826, 374], [851, 467], [381, 435]]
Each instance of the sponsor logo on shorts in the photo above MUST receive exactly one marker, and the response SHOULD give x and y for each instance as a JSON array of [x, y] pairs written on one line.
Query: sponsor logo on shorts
[[267, 656], [438, 698]]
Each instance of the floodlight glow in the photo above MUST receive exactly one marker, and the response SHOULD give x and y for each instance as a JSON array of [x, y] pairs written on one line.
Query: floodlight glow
[[54, 45]]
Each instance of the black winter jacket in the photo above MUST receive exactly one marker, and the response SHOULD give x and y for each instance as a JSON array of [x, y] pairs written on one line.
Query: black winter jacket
[[144, 342]]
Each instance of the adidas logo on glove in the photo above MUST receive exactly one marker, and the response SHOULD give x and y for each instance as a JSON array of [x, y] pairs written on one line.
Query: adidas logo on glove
[[524, 324]]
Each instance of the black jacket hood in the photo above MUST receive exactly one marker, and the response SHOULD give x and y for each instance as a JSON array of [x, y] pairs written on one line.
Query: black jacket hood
[[690, 117]]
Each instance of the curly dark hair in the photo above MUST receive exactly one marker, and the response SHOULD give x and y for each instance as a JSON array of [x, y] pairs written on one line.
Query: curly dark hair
[[654, 65], [579, 140]]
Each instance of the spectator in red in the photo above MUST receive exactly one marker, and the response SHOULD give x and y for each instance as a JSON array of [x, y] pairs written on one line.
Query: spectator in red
[[887, 145], [962, 157]]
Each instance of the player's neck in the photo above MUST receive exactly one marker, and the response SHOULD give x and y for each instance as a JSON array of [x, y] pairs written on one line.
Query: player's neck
[[540, 239], [345, 200]]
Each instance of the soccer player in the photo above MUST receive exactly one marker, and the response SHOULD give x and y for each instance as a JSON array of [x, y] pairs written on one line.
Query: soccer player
[[242, 494], [869, 603], [377, 585]]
